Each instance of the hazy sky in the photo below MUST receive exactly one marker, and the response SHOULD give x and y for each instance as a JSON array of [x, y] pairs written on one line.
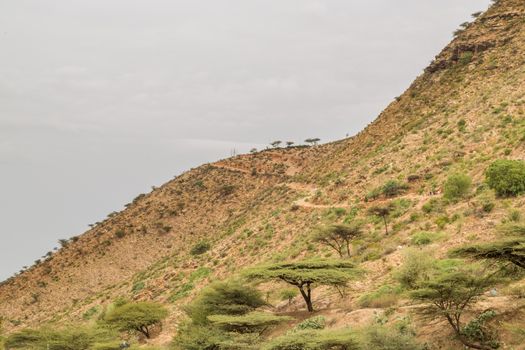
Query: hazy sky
[[101, 99]]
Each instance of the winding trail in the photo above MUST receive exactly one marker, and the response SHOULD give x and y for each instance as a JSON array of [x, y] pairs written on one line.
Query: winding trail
[[311, 190]]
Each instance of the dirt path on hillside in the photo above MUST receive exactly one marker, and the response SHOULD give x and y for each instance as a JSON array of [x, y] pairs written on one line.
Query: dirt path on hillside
[[311, 190]]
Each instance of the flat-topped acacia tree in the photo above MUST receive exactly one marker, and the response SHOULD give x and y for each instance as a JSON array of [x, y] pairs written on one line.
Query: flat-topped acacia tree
[[305, 274], [509, 249], [338, 237], [137, 317]]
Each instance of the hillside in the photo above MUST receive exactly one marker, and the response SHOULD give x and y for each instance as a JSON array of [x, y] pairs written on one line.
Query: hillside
[[465, 111]]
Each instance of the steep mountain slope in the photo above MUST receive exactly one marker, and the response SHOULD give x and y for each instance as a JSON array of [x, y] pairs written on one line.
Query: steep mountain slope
[[465, 111]]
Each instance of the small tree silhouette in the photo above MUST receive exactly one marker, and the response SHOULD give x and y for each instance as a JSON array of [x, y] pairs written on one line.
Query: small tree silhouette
[[276, 144], [313, 141], [382, 211], [289, 143]]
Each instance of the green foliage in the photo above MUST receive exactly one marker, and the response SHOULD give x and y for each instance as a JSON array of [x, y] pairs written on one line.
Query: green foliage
[[506, 177], [424, 238], [315, 340], [378, 337], [457, 186], [224, 298], [478, 331], [416, 268], [448, 293], [305, 274], [338, 237], [200, 248], [509, 249], [248, 323], [466, 57], [432, 206], [288, 294], [393, 188], [382, 211], [138, 317], [71, 338], [114, 345], [194, 337], [316, 322]]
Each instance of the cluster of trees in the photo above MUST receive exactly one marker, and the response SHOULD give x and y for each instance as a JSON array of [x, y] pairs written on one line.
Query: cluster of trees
[[311, 141], [122, 317], [227, 316]]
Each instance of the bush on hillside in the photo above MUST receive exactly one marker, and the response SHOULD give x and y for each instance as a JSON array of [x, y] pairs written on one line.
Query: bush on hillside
[[416, 267], [506, 177], [379, 337], [315, 340], [253, 322], [393, 188], [200, 248], [224, 298], [71, 338], [136, 317], [316, 322], [457, 186]]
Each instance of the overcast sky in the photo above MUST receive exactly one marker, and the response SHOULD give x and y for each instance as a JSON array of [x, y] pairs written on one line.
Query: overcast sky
[[101, 99]]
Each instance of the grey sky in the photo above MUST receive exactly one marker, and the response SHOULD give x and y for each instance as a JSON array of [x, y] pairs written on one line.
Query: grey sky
[[101, 99]]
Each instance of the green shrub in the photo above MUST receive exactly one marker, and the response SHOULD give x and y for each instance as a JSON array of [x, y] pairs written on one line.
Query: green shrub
[[316, 322], [200, 248], [70, 338], [249, 323], [379, 337], [416, 268], [224, 298], [120, 234], [315, 340], [506, 177], [432, 206], [457, 186], [114, 345], [478, 331], [393, 188], [424, 238]]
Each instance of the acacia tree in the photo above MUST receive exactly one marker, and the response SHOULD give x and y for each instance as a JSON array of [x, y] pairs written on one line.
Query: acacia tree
[[137, 317], [305, 274], [289, 143], [276, 144], [313, 141], [338, 237], [449, 294], [382, 211], [510, 249]]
